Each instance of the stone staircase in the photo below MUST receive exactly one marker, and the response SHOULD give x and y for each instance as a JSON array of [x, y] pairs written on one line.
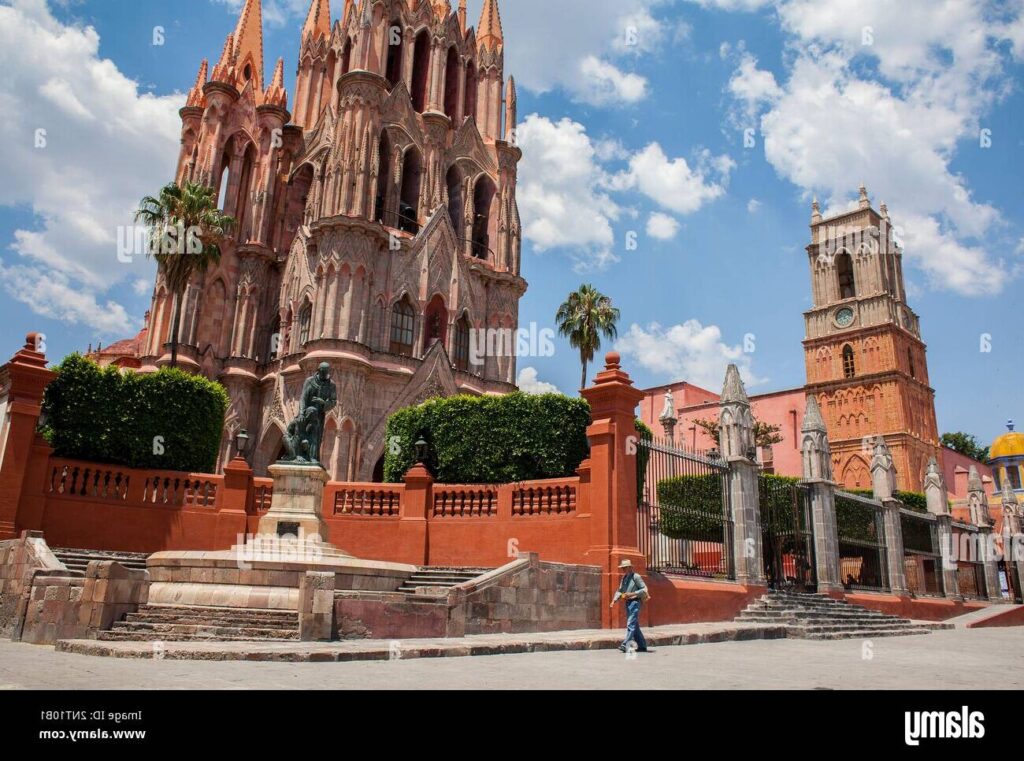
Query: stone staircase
[[817, 616], [78, 560], [437, 581], [179, 623]]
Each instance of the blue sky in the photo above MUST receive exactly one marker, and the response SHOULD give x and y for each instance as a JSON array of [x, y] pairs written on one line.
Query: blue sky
[[632, 117]]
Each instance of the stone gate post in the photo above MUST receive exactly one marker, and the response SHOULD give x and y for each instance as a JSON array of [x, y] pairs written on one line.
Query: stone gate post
[[613, 494], [977, 502], [938, 505], [736, 441], [883, 486], [817, 463]]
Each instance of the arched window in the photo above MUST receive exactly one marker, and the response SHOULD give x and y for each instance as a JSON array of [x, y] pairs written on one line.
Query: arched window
[[383, 177], [470, 105], [273, 341], [403, 320], [454, 181], [910, 363], [346, 57], [1013, 472], [305, 323], [451, 84], [420, 70], [461, 348], [222, 188], [483, 196], [435, 323], [849, 366], [395, 45], [844, 270], [409, 206]]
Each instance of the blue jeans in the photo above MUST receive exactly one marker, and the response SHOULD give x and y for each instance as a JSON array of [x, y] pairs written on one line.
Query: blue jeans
[[633, 632]]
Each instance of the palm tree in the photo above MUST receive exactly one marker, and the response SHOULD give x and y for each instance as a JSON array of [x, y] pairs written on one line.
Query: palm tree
[[186, 231], [584, 318]]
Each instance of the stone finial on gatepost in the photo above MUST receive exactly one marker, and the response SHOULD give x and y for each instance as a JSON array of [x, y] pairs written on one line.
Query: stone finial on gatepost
[[1011, 508], [938, 505], [883, 471], [817, 463], [883, 485], [668, 418], [977, 503], [736, 442]]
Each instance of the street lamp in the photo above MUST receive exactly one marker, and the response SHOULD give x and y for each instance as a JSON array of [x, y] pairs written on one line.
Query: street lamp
[[420, 450], [241, 442]]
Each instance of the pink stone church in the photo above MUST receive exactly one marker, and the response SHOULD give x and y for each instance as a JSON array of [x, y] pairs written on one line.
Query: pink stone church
[[377, 223]]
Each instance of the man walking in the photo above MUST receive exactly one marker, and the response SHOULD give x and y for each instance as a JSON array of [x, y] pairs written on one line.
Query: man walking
[[633, 590]]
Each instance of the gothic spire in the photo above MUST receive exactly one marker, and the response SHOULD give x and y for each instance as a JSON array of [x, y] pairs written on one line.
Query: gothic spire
[[248, 44], [195, 95], [511, 107], [276, 94], [462, 16], [318, 20], [489, 29]]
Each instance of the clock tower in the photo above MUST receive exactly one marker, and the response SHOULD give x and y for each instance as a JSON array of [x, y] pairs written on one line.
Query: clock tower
[[866, 362]]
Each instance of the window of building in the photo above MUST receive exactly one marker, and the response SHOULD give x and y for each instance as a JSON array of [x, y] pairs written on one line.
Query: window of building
[[305, 323], [1013, 473], [844, 270], [910, 363], [462, 344], [403, 320], [849, 365], [394, 65]]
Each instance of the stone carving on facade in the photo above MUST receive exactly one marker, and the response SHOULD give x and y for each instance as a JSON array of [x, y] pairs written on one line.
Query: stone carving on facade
[[977, 500], [935, 489]]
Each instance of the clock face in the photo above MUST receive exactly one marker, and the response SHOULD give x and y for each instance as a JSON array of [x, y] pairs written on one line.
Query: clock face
[[844, 317]]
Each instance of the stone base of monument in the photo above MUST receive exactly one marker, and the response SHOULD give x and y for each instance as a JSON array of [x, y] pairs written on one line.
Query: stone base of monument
[[297, 505], [267, 570]]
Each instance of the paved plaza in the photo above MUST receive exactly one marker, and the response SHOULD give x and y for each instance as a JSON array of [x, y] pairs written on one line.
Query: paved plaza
[[955, 659]]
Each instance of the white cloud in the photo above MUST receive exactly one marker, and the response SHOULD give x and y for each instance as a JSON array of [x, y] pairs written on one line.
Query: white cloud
[[733, 5], [753, 205], [561, 196], [672, 183], [604, 84], [689, 351], [894, 124], [662, 226], [105, 145], [529, 383]]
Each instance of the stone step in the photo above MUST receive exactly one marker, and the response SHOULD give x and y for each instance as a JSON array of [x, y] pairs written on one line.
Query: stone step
[[124, 635], [78, 560], [808, 620], [902, 632], [218, 612], [195, 618], [162, 631]]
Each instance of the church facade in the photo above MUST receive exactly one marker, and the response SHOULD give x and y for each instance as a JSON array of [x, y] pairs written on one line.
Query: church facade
[[377, 224]]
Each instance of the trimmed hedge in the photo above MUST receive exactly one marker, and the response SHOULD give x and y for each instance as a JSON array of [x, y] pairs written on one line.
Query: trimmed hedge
[[490, 439], [105, 415], [690, 507], [911, 500]]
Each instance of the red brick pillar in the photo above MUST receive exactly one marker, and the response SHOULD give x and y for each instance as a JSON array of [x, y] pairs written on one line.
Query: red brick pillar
[[235, 503], [416, 504], [613, 505], [28, 379]]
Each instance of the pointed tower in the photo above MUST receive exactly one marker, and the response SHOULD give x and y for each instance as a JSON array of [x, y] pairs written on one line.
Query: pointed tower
[[736, 431], [247, 53], [490, 43], [315, 73], [817, 457], [865, 360], [977, 499]]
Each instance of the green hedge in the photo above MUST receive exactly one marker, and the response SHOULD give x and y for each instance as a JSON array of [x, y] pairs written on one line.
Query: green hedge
[[690, 507], [490, 439], [911, 500], [106, 415]]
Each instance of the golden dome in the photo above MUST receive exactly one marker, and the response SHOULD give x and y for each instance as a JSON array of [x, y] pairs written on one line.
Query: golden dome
[[1010, 444]]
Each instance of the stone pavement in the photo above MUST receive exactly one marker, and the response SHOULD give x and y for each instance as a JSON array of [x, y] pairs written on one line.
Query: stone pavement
[[954, 659], [377, 650]]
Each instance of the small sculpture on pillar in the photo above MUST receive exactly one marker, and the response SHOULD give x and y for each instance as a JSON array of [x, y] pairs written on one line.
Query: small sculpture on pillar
[[883, 471], [977, 500], [935, 489], [736, 430], [817, 455], [668, 417]]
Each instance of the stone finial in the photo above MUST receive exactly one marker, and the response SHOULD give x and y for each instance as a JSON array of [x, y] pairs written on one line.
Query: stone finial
[[884, 211], [1009, 425], [195, 95], [935, 489], [488, 31], [511, 107], [815, 451], [318, 20], [736, 424], [1009, 496], [865, 202], [733, 390], [883, 471], [977, 500], [815, 211], [276, 95], [462, 15]]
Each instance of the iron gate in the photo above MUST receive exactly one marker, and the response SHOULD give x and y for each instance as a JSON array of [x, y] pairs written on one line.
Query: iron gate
[[787, 536], [685, 522]]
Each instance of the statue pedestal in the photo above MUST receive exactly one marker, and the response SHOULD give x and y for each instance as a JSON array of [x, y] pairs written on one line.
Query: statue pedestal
[[296, 508]]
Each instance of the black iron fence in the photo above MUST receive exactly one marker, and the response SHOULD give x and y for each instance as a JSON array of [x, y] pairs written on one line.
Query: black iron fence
[[685, 521], [862, 556], [922, 556], [787, 536]]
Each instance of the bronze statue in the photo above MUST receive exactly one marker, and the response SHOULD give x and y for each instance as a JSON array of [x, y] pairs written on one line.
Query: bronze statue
[[305, 433]]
